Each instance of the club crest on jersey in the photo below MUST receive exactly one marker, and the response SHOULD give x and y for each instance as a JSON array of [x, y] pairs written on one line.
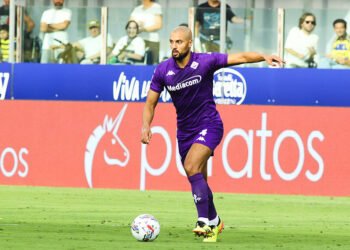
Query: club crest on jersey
[[194, 65], [230, 87]]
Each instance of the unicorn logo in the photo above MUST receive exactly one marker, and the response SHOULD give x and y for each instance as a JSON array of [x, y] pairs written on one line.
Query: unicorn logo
[[110, 128]]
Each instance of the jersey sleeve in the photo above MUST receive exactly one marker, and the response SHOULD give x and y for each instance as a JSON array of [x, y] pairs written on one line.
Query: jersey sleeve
[[219, 60], [157, 83]]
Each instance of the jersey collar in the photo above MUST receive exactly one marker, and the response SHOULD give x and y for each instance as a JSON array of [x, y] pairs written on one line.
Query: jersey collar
[[187, 65]]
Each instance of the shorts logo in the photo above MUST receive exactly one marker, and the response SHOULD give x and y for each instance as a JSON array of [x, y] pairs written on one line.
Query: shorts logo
[[115, 146], [229, 87], [202, 134]]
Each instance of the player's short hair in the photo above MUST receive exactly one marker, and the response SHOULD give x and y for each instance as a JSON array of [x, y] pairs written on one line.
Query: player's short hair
[[304, 16], [339, 21], [132, 21]]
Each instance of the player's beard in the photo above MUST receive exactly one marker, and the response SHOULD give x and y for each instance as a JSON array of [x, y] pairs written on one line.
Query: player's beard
[[181, 56]]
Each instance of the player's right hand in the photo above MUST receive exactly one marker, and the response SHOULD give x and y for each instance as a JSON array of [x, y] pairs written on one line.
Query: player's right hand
[[146, 135]]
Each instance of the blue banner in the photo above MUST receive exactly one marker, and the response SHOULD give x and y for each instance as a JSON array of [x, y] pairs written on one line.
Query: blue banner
[[81, 82], [128, 83]]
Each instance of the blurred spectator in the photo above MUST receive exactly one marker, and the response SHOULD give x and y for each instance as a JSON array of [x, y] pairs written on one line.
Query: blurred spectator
[[90, 47], [339, 58], [4, 43], [149, 18], [207, 26], [5, 18], [130, 48], [30, 44], [54, 23], [301, 45]]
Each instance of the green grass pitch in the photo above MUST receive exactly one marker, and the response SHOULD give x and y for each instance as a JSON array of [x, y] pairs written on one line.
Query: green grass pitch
[[67, 218]]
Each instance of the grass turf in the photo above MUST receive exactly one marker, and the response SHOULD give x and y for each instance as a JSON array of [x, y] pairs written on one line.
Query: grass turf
[[65, 218]]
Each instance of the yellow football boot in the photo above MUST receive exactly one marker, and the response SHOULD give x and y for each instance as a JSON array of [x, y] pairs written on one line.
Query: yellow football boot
[[202, 229], [213, 237]]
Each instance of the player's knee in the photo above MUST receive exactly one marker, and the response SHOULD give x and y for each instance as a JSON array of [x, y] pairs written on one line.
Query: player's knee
[[191, 169]]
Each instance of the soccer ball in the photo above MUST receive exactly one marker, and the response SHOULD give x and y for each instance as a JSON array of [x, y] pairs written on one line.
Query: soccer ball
[[145, 228]]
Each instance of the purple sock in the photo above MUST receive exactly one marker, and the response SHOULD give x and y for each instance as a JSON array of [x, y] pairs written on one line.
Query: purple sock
[[212, 211], [200, 195]]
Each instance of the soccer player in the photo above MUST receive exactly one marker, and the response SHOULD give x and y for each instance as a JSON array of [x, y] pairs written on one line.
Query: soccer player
[[188, 76]]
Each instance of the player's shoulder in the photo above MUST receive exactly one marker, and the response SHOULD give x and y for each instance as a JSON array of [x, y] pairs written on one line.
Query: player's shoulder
[[204, 56], [163, 66]]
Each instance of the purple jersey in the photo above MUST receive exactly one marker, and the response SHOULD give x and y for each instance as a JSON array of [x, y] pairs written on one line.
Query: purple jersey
[[191, 88]]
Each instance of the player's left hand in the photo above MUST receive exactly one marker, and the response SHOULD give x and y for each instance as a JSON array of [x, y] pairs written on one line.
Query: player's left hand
[[274, 60], [146, 135]]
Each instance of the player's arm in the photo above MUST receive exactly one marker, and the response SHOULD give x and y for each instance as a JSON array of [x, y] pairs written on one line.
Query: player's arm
[[253, 57], [147, 115]]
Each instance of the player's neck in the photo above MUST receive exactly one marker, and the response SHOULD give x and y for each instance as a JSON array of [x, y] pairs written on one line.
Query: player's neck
[[184, 61]]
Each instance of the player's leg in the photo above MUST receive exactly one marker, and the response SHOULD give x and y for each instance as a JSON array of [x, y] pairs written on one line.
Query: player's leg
[[194, 163], [212, 215], [214, 221], [205, 172]]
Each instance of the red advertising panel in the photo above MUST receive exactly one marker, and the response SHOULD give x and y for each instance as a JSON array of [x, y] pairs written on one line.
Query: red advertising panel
[[265, 149]]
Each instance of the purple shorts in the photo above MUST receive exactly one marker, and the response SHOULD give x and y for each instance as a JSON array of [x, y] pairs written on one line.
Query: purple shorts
[[210, 137]]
